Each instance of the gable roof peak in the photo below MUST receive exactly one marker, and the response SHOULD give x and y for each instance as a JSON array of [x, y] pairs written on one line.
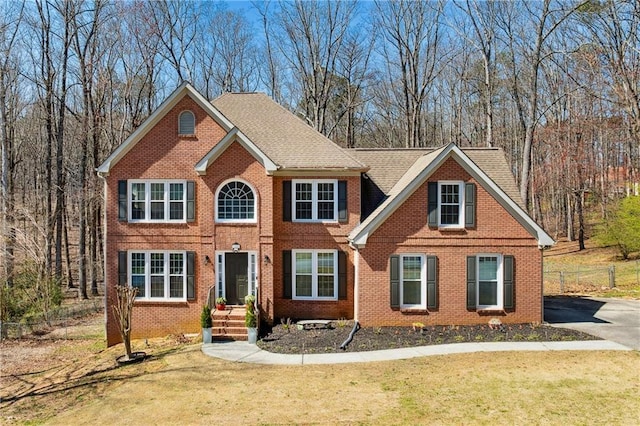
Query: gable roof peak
[[184, 89]]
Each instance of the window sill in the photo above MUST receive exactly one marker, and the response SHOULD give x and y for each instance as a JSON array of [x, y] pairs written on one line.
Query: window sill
[[163, 302], [230, 222], [491, 311], [414, 311], [451, 229], [187, 136]]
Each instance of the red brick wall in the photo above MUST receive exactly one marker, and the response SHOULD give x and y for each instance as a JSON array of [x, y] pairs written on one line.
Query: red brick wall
[[162, 154], [406, 231], [295, 235]]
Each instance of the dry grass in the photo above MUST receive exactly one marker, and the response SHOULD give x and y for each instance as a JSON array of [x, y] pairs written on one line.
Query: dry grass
[[565, 256], [180, 385]]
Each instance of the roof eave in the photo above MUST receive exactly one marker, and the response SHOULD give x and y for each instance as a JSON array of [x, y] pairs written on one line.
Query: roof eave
[[360, 236]]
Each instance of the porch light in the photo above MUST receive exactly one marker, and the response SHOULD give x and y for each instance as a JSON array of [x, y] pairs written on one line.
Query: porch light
[[207, 259], [266, 259], [235, 247]]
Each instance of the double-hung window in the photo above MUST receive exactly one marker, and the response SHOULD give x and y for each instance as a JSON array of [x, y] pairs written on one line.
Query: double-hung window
[[490, 282], [315, 274], [413, 289], [315, 200], [489, 288], [157, 201], [452, 204], [158, 275], [413, 281], [450, 196]]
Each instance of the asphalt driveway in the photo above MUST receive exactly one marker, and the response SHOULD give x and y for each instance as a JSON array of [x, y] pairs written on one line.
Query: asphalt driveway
[[617, 320]]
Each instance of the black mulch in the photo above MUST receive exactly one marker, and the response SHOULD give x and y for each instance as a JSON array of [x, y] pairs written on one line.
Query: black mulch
[[289, 339]]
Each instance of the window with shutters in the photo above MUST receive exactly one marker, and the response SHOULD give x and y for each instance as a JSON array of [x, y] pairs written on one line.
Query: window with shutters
[[413, 288], [236, 202], [186, 123], [451, 204], [157, 201], [315, 200], [450, 200], [489, 281], [158, 275], [315, 274]]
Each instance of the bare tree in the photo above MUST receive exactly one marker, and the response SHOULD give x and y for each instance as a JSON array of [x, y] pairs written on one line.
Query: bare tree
[[527, 37], [123, 311], [313, 36], [174, 23], [9, 26], [614, 28], [481, 15], [274, 72], [411, 40]]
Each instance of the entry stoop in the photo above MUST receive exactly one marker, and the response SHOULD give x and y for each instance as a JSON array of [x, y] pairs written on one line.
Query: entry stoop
[[229, 324]]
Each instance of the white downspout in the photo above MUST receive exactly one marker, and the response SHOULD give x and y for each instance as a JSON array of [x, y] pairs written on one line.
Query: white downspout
[[356, 285]]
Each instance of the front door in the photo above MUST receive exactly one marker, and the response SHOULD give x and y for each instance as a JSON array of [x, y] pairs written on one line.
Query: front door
[[236, 277]]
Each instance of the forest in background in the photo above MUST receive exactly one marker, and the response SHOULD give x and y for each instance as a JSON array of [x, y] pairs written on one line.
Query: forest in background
[[555, 84]]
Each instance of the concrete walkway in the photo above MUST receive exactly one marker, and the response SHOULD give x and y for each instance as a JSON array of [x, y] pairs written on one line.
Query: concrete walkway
[[245, 352], [616, 320]]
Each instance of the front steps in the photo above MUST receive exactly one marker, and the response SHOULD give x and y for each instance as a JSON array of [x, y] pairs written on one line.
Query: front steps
[[229, 324]]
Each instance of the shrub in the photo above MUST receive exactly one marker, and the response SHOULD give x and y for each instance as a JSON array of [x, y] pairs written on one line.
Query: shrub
[[31, 298], [205, 317], [622, 229], [250, 319]]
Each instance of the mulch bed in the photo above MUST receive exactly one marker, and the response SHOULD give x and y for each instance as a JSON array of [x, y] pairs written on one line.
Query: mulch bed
[[288, 339]]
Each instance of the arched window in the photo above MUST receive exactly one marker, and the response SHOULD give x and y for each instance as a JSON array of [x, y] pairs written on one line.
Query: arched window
[[186, 123], [236, 203]]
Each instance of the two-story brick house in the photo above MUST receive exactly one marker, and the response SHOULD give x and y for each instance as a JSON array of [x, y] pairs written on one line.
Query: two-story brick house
[[239, 196]]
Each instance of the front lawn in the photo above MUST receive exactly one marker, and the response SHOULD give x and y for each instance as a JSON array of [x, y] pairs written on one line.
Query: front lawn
[[78, 382]]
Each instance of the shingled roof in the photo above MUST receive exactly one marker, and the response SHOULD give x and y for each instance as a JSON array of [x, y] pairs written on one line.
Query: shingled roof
[[388, 165], [487, 166], [284, 138]]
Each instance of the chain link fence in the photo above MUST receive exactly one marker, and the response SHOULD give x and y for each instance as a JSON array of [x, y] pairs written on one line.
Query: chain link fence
[[578, 279], [59, 317]]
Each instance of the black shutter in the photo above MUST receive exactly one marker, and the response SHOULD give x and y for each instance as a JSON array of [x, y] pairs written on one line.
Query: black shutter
[[508, 270], [191, 268], [122, 200], [470, 205], [432, 196], [122, 267], [432, 282], [191, 201], [342, 275], [471, 282], [286, 274], [343, 215], [286, 200], [394, 269]]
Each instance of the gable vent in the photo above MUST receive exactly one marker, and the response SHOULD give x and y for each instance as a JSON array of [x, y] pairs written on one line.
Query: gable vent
[[187, 123]]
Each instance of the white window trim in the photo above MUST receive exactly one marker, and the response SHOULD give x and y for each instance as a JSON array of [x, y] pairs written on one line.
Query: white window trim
[[461, 209], [314, 275], [499, 283], [147, 273], [147, 201], [194, 123], [423, 282], [253, 273], [255, 203], [314, 200]]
